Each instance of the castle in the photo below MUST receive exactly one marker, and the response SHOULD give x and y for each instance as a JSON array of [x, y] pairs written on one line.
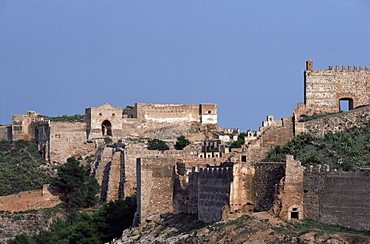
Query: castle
[[223, 183]]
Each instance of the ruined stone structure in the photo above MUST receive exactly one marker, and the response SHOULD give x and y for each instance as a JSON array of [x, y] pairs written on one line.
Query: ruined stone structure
[[208, 178], [324, 89], [287, 189], [337, 197], [61, 140]]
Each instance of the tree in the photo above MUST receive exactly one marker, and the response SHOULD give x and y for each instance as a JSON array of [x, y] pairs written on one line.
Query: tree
[[238, 143], [85, 231], [114, 217], [21, 238], [181, 142], [77, 187], [157, 144]]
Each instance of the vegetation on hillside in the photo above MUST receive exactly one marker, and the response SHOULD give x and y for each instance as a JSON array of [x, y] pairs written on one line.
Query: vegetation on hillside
[[254, 228], [78, 188], [20, 167], [346, 150], [157, 144], [181, 142], [305, 117], [91, 228], [241, 140], [65, 118]]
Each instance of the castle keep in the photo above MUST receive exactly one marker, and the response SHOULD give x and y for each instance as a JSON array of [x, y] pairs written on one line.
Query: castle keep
[[207, 177]]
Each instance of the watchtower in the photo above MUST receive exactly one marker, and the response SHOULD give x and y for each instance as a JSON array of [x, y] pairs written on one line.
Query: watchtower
[[335, 89]]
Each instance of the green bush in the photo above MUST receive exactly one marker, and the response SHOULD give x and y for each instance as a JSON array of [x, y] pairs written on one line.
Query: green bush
[[157, 144], [181, 143], [65, 118], [241, 140], [346, 150]]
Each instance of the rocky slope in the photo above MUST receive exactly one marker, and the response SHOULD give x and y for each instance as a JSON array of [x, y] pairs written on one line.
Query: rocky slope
[[255, 228]]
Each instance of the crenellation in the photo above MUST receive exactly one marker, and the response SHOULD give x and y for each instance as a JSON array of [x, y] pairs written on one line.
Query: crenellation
[[223, 183]]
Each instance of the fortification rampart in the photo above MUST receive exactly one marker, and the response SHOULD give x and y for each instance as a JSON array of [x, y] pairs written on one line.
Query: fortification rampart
[[289, 202], [44, 198], [5, 132], [266, 179], [337, 122], [337, 197], [23, 126], [66, 139], [325, 88], [214, 192], [154, 188]]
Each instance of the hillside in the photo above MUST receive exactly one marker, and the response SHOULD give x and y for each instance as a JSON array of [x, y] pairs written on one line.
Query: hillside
[[344, 150], [255, 228], [21, 167]]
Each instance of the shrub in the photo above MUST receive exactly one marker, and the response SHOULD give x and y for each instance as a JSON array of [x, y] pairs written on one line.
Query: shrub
[[181, 143], [157, 144]]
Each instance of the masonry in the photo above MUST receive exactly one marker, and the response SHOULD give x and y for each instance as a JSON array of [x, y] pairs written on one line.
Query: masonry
[[338, 198], [324, 89], [207, 178]]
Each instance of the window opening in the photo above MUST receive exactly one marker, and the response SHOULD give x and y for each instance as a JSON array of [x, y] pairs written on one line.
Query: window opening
[[345, 104]]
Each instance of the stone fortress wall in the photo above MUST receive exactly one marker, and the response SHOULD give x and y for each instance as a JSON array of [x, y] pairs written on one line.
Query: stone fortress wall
[[215, 185], [325, 88], [337, 197], [287, 189]]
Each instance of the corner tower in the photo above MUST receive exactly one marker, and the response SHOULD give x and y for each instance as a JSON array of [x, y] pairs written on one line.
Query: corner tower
[[325, 90]]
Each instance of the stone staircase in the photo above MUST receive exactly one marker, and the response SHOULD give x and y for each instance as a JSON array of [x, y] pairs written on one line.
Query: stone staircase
[[107, 171]]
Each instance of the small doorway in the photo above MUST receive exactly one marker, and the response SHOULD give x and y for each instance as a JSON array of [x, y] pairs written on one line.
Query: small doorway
[[106, 128], [295, 213], [345, 104]]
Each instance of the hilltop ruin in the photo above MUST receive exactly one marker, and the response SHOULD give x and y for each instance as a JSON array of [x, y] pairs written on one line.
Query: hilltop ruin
[[225, 182]]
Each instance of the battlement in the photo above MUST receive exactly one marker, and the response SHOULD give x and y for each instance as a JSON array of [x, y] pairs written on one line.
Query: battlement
[[211, 172], [309, 67], [349, 68], [318, 168], [326, 91]]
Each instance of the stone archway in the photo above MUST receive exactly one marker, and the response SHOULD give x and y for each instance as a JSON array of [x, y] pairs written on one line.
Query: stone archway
[[106, 128], [295, 213]]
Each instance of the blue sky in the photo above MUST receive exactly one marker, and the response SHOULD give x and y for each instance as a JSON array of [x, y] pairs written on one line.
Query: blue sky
[[59, 57]]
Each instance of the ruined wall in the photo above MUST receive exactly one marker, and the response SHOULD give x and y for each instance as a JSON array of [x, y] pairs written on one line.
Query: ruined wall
[[154, 187], [208, 113], [132, 151], [242, 189], [338, 198], [186, 188], [213, 193], [170, 113], [324, 88], [272, 133], [289, 204], [266, 180], [337, 122], [36, 199], [24, 126], [68, 139], [5, 132]]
